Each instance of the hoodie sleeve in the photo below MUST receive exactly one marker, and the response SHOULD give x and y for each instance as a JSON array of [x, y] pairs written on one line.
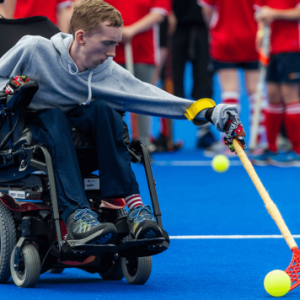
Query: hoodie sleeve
[[17, 60], [144, 98]]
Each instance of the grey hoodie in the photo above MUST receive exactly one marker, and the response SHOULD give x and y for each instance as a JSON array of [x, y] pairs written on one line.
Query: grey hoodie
[[49, 63]]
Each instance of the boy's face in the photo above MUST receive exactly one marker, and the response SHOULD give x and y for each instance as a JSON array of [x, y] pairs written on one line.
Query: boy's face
[[100, 45]]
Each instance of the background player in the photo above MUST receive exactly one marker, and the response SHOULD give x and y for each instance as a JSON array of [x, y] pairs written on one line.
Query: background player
[[232, 46], [140, 29], [283, 77]]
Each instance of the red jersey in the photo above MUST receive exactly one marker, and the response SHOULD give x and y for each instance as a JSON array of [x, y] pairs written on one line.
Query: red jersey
[[32, 8], [284, 33], [144, 45], [232, 30]]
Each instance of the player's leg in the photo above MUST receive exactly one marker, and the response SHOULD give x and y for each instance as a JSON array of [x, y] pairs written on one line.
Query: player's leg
[[105, 126], [229, 84], [290, 95], [140, 123], [53, 129], [288, 65]]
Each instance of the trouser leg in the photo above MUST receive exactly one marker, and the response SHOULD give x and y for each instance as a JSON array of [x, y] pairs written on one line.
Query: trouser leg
[[105, 126], [52, 128], [200, 60], [179, 58]]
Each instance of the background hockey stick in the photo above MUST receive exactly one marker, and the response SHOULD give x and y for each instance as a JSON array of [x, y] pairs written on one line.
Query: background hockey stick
[[293, 269], [129, 58], [263, 59]]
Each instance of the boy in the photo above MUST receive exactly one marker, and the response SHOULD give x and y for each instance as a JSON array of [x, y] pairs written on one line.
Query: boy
[[79, 83]]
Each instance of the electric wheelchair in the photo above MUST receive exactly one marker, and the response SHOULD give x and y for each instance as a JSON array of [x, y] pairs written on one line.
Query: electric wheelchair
[[31, 231]]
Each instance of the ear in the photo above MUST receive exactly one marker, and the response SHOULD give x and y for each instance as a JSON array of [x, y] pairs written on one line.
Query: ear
[[80, 37]]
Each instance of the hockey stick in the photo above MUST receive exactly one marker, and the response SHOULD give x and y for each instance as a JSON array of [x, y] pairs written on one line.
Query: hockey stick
[[130, 67], [263, 58], [293, 269]]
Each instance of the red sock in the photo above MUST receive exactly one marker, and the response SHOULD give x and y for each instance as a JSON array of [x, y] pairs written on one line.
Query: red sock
[[134, 201], [231, 98], [274, 119], [292, 124]]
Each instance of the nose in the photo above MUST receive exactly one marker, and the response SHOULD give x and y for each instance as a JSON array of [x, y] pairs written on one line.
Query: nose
[[111, 52]]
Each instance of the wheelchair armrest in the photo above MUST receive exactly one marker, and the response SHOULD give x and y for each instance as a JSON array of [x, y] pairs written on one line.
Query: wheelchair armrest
[[23, 96]]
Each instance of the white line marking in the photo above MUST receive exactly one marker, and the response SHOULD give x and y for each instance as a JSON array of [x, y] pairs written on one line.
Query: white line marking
[[227, 237], [191, 163]]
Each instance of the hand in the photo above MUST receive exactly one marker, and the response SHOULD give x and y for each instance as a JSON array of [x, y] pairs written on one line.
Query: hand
[[234, 130], [14, 83], [127, 34], [266, 15]]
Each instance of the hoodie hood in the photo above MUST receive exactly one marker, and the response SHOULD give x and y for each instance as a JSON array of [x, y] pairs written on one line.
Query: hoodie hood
[[62, 42]]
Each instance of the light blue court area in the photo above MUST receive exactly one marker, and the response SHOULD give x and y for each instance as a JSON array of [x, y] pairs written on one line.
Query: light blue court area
[[224, 242]]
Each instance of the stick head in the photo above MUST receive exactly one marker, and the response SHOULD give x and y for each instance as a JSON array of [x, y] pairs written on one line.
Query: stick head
[[293, 269]]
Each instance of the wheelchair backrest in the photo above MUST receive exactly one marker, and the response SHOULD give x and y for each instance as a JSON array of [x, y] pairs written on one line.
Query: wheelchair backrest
[[11, 31]]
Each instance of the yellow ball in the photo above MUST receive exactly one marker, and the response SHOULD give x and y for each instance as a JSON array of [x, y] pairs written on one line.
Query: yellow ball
[[277, 283], [220, 163]]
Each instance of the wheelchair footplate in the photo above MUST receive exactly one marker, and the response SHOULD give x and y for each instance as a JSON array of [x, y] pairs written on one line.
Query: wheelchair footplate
[[144, 247], [89, 249]]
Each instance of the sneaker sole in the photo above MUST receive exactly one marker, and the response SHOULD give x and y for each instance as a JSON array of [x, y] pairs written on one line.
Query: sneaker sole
[[107, 234], [260, 163], [148, 230], [283, 164]]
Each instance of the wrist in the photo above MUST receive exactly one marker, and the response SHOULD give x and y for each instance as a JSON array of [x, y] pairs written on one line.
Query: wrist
[[208, 114]]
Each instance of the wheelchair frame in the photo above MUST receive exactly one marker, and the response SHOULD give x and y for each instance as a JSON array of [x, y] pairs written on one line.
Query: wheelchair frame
[[60, 253]]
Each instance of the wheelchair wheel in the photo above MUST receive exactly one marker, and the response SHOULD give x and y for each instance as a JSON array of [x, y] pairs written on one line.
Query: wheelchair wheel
[[137, 270], [114, 273], [30, 267], [7, 241], [56, 270]]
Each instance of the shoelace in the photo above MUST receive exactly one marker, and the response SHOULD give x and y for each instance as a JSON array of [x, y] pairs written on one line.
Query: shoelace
[[88, 216], [136, 213]]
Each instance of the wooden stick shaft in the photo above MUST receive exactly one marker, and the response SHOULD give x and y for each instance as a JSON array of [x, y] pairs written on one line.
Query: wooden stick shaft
[[270, 206]]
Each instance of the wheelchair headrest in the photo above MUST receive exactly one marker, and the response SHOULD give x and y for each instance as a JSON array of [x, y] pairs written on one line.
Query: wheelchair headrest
[[12, 30], [24, 95]]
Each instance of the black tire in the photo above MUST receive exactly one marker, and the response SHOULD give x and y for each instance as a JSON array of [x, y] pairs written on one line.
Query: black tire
[[7, 241], [137, 270], [114, 273], [29, 273], [56, 270]]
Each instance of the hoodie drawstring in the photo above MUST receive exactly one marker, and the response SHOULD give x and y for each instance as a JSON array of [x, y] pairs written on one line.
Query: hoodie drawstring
[[89, 83]]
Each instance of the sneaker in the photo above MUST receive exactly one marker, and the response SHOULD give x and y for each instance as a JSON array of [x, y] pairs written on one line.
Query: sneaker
[[261, 159], [142, 224], [213, 150], [84, 227], [205, 140], [162, 144], [285, 159]]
